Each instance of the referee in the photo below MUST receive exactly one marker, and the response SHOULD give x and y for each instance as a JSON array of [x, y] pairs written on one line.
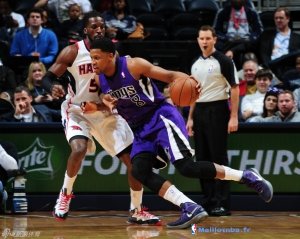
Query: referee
[[213, 116]]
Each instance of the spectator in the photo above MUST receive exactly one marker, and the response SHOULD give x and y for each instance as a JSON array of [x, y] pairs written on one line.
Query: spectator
[[71, 30], [36, 72], [275, 43], [119, 24], [252, 104], [26, 112], [35, 40], [247, 84], [270, 105], [61, 8], [238, 27], [287, 109], [9, 20]]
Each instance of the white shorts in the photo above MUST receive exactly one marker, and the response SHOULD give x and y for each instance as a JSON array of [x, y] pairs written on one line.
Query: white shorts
[[110, 130]]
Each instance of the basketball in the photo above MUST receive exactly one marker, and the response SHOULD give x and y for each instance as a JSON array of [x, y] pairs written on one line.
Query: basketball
[[183, 92]]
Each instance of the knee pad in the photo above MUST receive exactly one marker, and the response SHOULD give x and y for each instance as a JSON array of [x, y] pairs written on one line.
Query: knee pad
[[200, 169], [142, 166]]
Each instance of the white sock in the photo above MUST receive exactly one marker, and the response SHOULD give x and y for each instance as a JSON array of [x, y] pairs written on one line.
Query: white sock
[[68, 183], [232, 174], [176, 197], [7, 161], [136, 199]]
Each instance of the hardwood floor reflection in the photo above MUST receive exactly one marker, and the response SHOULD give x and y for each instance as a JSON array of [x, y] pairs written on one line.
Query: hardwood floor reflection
[[112, 224]]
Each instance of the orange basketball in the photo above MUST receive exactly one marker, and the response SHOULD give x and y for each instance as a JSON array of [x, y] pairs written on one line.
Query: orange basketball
[[183, 91]]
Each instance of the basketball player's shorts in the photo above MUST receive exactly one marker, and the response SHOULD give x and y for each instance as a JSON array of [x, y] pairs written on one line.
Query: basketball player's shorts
[[163, 135], [110, 130]]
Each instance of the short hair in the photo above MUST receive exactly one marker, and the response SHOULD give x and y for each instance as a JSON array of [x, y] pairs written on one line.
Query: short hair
[[104, 44], [287, 92], [21, 88], [285, 9], [89, 15], [208, 28], [264, 73], [34, 10]]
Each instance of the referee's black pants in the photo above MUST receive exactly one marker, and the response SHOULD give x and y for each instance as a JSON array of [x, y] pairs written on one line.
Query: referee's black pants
[[210, 137]]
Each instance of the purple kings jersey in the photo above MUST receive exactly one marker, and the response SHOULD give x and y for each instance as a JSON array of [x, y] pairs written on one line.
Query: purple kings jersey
[[140, 98]]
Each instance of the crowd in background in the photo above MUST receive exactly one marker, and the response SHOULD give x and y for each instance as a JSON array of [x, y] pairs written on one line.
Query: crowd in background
[[267, 58]]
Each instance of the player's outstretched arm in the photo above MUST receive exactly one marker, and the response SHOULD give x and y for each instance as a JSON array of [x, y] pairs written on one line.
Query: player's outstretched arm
[[139, 66], [59, 67]]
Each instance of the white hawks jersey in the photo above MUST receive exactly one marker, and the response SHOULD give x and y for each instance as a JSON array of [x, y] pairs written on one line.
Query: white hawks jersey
[[86, 88]]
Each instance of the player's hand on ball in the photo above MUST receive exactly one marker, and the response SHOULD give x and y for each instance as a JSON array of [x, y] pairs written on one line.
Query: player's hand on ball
[[109, 101], [88, 107], [198, 86]]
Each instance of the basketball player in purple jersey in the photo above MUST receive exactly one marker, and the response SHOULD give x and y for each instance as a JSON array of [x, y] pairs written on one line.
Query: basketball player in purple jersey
[[110, 130], [158, 125]]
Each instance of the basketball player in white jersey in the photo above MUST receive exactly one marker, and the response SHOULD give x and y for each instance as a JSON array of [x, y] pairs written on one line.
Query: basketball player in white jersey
[[110, 130]]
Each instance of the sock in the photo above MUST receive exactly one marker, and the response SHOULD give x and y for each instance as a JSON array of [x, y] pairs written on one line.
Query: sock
[[7, 161], [232, 174], [68, 183], [176, 197], [136, 199]]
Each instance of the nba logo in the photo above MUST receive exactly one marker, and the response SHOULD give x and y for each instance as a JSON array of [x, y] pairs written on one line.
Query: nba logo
[[194, 229]]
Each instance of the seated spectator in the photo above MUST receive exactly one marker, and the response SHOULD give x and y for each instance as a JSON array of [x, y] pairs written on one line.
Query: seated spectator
[[247, 83], [35, 40], [287, 109], [275, 43], [252, 104], [71, 30], [26, 112], [119, 24], [11, 21], [61, 8], [36, 72], [238, 27], [270, 105]]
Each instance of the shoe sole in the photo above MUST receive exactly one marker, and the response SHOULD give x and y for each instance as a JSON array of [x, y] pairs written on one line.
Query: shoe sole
[[267, 182], [197, 218], [59, 219], [145, 223], [141, 223]]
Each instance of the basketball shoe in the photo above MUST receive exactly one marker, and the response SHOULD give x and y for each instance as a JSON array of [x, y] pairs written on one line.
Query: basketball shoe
[[191, 213], [254, 180], [143, 217], [61, 208]]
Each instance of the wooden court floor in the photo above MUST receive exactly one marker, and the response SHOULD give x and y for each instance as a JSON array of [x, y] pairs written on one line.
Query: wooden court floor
[[112, 224]]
